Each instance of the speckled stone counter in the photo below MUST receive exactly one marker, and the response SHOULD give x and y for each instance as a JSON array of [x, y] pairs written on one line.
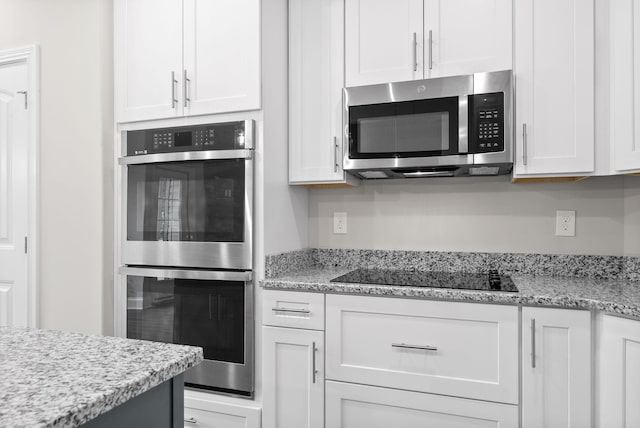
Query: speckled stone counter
[[616, 296], [56, 379]]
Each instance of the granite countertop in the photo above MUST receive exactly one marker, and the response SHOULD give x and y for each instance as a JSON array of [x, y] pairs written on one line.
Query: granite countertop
[[616, 296], [53, 378]]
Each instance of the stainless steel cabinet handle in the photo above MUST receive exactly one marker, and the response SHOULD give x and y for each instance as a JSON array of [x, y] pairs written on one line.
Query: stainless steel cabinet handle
[[430, 49], [524, 143], [421, 347], [174, 100], [186, 88], [335, 154], [297, 311], [313, 359], [415, 51], [191, 421], [533, 343]]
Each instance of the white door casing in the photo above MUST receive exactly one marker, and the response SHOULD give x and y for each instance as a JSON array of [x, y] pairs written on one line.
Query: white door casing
[[18, 166]]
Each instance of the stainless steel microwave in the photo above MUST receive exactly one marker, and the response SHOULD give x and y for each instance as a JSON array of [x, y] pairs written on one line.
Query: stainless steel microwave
[[449, 126]]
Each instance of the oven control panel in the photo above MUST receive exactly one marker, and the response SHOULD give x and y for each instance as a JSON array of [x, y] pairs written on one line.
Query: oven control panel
[[219, 136], [486, 123]]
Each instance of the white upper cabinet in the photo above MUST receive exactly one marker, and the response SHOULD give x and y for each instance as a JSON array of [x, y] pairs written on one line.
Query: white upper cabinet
[[221, 55], [316, 78], [392, 40], [175, 57], [383, 41], [625, 84], [467, 36], [554, 75], [148, 42]]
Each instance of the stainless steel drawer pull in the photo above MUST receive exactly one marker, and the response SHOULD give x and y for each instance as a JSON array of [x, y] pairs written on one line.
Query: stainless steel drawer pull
[[191, 421], [335, 154], [533, 343], [296, 311], [186, 89], [313, 368], [415, 51], [524, 144], [422, 347]]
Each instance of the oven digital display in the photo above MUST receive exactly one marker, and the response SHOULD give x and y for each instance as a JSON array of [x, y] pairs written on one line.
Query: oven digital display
[[182, 139]]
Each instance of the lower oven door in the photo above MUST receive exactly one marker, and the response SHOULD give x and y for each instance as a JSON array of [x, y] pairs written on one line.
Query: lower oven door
[[210, 309]]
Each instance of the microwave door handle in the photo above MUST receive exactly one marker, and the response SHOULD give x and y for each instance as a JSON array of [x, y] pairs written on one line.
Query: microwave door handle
[[187, 274], [186, 156]]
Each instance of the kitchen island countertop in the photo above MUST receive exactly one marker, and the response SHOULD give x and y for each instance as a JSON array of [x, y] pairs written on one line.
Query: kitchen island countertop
[[615, 296], [53, 378]]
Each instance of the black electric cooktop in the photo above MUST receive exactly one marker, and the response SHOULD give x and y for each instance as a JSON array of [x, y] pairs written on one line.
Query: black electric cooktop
[[491, 281]]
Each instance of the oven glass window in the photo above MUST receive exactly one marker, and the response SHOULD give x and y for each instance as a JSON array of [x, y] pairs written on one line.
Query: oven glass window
[[200, 201], [404, 129], [210, 314]]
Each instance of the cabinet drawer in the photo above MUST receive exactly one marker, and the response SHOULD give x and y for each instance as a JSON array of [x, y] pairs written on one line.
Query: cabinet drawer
[[358, 406], [206, 414], [293, 309], [459, 349]]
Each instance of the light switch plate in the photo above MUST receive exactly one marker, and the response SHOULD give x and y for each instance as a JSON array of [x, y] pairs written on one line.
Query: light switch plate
[[340, 223], [565, 223]]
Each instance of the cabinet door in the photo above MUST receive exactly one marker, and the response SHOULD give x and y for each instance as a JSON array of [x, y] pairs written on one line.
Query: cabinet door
[[467, 36], [625, 84], [293, 393], [620, 373], [383, 41], [148, 59], [554, 75], [360, 406], [316, 78], [221, 56], [556, 368]]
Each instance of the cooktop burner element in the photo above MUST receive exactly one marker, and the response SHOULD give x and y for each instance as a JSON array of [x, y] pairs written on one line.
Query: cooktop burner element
[[491, 281]]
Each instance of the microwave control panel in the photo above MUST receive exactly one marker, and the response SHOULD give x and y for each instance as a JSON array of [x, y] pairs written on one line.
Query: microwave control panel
[[486, 123], [219, 136]]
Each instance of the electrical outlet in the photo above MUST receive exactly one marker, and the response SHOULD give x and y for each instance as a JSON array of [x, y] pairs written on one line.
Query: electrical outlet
[[340, 223], [565, 223]]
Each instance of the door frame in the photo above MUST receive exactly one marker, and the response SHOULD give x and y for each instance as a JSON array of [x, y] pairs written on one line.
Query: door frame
[[30, 55]]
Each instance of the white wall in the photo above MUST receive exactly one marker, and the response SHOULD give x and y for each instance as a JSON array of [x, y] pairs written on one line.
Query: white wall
[[480, 214], [75, 134], [632, 216]]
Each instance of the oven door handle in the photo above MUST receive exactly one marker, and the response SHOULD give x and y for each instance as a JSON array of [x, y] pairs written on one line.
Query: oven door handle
[[213, 275], [186, 156]]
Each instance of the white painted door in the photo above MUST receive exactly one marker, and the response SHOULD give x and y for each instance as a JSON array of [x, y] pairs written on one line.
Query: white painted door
[[316, 78], [554, 75], [383, 40], [293, 393], [556, 368], [620, 373], [360, 406], [625, 84], [221, 56], [467, 36], [148, 60], [14, 134]]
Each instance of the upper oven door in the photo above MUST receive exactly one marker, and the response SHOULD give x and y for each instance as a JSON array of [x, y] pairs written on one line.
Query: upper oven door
[[188, 209], [415, 123]]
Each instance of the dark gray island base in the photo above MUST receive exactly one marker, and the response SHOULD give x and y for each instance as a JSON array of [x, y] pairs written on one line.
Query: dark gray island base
[[60, 379]]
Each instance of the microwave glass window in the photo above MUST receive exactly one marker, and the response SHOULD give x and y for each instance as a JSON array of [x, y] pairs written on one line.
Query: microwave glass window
[[210, 314], [200, 201], [404, 129], [408, 133]]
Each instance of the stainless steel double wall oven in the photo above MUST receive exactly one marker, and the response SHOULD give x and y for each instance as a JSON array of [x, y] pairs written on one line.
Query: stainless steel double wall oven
[[186, 245]]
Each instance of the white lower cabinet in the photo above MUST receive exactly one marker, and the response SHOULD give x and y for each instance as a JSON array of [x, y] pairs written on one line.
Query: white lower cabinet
[[200, 413], [556, 368], [293, 366], [360, 406], [620, 373], [458, 349]]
